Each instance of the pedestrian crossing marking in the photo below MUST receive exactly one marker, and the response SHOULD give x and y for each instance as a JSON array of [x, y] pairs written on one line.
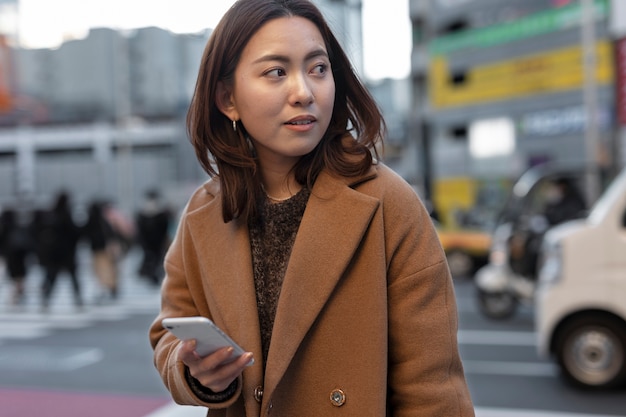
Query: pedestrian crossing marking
[[48, 358], [27, 321]]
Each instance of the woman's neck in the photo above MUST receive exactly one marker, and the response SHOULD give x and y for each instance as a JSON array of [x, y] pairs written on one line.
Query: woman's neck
[[281, 191], [279, 186]]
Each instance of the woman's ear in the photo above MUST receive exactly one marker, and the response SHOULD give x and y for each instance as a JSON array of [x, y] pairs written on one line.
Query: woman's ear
[[224, 101]]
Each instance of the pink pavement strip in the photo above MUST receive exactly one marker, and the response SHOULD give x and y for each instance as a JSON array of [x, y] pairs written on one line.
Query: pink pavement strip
[[31, 402]]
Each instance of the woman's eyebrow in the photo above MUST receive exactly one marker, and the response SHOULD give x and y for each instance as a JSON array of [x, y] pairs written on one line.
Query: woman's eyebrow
[[284, 58], [317, 53]]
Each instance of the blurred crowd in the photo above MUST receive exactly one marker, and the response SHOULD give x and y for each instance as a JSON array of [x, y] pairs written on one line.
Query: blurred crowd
[[50, 238]]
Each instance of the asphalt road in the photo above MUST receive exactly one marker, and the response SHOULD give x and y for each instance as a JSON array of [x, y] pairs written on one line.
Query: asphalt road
[[98, 362], [504, 372], [88, 363]]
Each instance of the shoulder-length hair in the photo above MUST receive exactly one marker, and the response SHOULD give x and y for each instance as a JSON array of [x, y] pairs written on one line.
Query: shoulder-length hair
[[347, 147]]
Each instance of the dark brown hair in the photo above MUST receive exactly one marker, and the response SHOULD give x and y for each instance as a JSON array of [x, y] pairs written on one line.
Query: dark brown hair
[[348, 146]]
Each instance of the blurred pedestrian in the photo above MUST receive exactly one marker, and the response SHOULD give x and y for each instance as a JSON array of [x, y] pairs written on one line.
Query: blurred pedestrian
[[105, 251], [123, 227], [57, 236], [303, 246], [564, 201], [152, 226], [16, 244]]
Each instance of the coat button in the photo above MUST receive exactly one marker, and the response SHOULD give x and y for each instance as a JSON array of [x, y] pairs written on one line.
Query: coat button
[[258, 393], [337, 397]]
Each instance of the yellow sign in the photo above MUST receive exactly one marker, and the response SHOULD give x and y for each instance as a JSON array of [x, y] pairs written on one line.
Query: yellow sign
[[547, 72], [453, 196]]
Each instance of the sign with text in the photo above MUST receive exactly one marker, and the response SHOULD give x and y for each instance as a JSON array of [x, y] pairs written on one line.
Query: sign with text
[[551, 20], [552, 71]]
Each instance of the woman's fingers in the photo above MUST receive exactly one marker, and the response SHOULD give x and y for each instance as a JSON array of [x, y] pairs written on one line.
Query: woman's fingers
[[215, 371]]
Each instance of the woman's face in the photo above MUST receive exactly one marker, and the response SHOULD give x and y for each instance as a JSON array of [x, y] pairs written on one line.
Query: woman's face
[[284, 90]]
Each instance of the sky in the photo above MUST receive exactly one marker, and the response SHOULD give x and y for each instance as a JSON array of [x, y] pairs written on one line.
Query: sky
[[46, 23]]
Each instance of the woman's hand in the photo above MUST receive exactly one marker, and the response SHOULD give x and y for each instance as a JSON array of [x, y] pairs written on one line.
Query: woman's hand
[[211, 370]]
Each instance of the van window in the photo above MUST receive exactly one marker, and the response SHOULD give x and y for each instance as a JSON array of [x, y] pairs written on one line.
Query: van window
[[608, 198]]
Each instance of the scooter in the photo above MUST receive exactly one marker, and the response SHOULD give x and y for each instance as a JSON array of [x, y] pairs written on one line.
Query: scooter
[[500, 290], [509, 278]]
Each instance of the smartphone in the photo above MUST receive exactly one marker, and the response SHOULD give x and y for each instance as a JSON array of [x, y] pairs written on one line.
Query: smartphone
[[209, 337]]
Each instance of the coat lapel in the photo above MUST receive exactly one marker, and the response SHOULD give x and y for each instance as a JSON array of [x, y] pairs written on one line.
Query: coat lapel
[[333, 225], [225, 252]]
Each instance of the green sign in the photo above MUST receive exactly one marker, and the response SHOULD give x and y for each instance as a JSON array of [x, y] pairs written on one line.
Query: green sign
[[544, 22]]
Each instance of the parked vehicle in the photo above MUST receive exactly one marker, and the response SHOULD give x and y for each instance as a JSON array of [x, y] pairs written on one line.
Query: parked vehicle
[[467, 249], [580, 302], [509, 278]]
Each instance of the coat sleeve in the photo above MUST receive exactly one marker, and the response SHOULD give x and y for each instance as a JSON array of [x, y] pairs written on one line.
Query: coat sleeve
[[181, 269], [426, 376]]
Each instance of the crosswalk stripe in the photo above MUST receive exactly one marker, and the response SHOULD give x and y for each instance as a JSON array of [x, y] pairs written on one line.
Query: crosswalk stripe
[[175, 410], [508, 412], [27, 321], [510, 368], [497, 337]]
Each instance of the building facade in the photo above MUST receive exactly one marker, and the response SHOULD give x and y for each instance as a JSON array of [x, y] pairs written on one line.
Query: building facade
[[104, 115], [505, 85], [108, 75]]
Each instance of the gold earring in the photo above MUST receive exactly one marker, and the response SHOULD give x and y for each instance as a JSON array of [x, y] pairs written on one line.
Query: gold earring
[[234, 125]]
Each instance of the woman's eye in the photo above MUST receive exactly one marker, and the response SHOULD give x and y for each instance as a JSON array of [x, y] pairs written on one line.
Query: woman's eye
[[276, 72], [320, 69]]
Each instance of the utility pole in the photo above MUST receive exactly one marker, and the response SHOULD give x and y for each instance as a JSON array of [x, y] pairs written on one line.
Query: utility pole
[[590, 99], [123, 120]]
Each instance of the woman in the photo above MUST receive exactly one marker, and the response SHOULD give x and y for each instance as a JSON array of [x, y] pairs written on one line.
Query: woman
[[104, 251], [317, 259], [57, 241], [15, 247], [153, 224]]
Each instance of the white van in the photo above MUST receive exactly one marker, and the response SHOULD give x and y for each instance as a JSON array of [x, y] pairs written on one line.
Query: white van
[[580, 315]]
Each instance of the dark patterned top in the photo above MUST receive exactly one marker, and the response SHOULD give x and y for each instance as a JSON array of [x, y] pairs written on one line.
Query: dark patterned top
[[272, 237]]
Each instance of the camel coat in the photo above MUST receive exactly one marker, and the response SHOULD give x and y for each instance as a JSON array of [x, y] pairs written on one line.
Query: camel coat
[[366, 324]]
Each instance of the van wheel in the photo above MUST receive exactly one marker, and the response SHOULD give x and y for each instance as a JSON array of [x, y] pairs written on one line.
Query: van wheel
[[497, 305], [460, 263], [591, 352]]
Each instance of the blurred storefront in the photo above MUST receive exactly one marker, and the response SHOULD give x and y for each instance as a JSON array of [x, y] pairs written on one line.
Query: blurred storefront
[[508, 85]]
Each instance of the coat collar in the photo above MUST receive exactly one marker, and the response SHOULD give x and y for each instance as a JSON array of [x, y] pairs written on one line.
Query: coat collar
[[318, 259]]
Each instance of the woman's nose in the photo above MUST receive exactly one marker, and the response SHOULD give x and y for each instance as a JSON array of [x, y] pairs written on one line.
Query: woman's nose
[[301, 91]]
